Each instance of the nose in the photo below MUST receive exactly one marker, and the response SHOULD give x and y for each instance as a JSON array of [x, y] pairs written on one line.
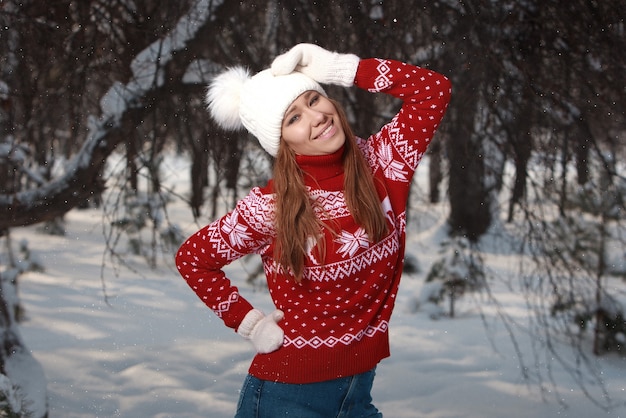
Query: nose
[[317, 117]]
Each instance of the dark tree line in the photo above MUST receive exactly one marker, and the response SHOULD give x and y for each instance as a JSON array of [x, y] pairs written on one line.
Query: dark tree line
[[538, 86], [518, 67]]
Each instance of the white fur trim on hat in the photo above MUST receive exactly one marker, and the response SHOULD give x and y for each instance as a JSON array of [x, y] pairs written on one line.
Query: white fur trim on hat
[[258, 103]]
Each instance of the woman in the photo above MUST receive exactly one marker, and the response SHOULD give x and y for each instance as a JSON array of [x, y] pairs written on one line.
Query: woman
[[329, 226]]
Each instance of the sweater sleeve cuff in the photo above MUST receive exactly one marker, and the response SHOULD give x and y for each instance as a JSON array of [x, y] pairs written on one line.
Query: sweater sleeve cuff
[[368, 73]]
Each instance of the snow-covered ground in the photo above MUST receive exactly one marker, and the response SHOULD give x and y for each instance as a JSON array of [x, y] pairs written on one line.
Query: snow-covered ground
[[152, 349]]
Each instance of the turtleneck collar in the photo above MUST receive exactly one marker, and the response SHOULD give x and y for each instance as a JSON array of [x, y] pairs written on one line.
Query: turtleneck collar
[[322, 167]]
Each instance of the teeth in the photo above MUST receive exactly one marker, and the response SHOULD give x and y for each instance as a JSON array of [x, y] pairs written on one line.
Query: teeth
[[326, 130]]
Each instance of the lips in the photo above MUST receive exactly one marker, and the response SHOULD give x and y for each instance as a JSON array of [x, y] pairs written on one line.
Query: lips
[[327, 132]]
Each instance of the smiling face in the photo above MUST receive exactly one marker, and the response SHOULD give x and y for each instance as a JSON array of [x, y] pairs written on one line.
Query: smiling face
[[311, 125]]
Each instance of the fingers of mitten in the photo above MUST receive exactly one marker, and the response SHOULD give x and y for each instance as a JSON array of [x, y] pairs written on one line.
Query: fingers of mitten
[[307, 58], [314, 55], [287, 62], [326, 66], [318, 63], [267, 336]]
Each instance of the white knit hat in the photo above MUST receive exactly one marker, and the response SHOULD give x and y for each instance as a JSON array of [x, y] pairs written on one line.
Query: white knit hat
[[236, 99]]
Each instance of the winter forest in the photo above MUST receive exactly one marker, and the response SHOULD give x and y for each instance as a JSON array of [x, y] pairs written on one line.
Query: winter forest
[[100, 98]]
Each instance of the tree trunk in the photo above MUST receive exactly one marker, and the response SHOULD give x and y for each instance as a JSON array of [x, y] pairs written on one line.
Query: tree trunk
[[469, 200], [435, 171], [522, 145]]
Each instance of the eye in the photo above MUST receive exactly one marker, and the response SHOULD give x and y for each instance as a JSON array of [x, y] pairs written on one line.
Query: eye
[[293, 119], [314, 99]]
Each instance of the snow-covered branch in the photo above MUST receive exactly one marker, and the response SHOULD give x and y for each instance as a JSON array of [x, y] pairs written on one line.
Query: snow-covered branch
[[122, 104]]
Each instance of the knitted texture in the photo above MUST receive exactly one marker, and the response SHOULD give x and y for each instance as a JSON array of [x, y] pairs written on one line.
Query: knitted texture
[[321, 65], [336, 320]]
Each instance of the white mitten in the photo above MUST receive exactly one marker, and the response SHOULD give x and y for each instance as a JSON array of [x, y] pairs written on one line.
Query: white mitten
[[263, 331], [321, 65]]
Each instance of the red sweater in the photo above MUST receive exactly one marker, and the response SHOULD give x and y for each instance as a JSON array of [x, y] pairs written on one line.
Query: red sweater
[[336, 320]]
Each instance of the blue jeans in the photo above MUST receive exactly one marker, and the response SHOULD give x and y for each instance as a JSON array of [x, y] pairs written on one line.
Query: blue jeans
[[346, 397]]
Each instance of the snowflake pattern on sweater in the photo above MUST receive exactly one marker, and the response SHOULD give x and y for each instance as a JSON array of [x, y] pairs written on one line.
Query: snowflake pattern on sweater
[[337, 318]]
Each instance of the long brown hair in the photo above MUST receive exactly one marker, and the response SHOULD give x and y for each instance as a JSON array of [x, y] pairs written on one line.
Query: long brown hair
[[296, 222]]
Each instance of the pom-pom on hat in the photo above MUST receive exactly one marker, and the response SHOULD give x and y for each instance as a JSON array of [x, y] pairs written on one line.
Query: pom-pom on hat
[[258, 103]]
